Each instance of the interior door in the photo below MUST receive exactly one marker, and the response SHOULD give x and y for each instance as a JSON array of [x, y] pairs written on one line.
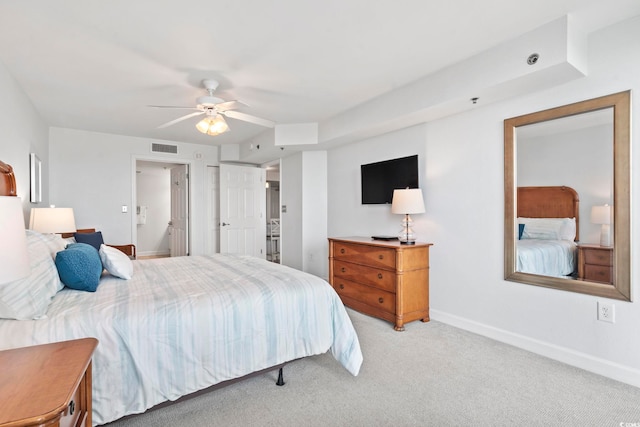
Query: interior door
[[212, 243], [178, 226], [242, 210]]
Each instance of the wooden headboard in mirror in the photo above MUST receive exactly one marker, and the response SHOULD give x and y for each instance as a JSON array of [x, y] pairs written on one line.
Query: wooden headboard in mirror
[[617, 109], [549, 202], [7, 180]]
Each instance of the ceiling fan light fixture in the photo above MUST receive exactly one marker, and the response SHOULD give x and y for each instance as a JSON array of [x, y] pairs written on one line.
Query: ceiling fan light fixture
[[213, 125]]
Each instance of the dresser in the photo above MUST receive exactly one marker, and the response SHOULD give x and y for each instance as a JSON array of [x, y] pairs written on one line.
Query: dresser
[[595, 263], [47, 385], [384, 279]]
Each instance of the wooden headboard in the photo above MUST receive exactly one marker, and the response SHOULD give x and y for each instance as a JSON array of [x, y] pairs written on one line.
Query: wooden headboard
[[549, 202], [7, 180]]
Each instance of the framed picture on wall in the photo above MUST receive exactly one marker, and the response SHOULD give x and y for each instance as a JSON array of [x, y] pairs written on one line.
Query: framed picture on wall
[[35, 169]]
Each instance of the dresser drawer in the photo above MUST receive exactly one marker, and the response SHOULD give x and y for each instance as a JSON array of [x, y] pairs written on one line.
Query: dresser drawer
[[599, 273], [372, 297], [379, 278], [367, 255], [599, 257]]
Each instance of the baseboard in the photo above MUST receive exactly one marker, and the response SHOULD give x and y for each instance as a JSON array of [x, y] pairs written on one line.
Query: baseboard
[[584, 361]]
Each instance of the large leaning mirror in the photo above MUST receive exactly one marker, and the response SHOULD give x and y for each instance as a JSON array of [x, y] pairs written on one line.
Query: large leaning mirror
[[567, 197]]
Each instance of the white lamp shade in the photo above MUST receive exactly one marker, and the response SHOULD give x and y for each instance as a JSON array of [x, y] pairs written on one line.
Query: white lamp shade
[[52, 220], [14, 259], [407, 201], [601, 214], [213, 125]]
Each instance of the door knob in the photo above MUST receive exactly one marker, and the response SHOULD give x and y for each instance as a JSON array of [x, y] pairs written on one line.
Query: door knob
[[224, 223]]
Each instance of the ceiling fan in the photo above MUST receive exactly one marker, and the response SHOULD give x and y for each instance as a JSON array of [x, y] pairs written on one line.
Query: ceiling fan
[[214, 109]]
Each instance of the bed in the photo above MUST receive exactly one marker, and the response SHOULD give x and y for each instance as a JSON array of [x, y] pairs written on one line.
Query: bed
[[180, 325], [548, 221]]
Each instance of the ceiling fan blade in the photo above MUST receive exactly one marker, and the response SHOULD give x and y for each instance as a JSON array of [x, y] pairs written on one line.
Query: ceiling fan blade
[[172, 106], [249, 118], [179, 119], [229, 105]]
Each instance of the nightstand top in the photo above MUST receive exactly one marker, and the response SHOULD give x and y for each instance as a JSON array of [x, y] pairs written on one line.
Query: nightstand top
[[595, 246], [40, 380]]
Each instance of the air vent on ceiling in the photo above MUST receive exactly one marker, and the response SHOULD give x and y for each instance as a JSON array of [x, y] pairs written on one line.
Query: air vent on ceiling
[[164, 148]]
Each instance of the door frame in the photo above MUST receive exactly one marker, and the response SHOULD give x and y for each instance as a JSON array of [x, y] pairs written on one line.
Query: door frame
[[134, 196]]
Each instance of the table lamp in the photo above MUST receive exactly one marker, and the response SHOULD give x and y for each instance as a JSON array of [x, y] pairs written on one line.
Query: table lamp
[[405, 202], [52, 220], [14, 257]]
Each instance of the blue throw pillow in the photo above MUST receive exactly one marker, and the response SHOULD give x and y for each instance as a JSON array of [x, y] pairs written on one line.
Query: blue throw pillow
[[93, 239], [520, 231], [79, 267]]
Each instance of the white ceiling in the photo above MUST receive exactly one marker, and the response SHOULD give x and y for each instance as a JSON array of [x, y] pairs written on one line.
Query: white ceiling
[[97, 65]]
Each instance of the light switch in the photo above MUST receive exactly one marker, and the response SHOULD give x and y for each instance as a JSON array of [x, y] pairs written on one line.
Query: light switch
[[124, 209]]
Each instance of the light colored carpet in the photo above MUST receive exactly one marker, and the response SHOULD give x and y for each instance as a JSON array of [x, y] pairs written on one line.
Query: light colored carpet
[[429, 375]]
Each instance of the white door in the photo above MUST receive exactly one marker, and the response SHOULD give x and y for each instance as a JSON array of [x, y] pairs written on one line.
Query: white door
[[243, 223], [212, 242], [178, 226]]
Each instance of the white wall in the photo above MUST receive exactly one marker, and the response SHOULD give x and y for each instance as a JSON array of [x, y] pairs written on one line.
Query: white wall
[[22, 131], [347, 215], [153, 185], [463, 188], [94, 173]]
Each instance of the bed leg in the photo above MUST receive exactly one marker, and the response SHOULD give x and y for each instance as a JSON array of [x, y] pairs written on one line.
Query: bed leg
[[280, 381]]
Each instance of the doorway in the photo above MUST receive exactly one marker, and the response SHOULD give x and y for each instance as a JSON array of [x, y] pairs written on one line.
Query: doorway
[[273, 212], [162, 209]]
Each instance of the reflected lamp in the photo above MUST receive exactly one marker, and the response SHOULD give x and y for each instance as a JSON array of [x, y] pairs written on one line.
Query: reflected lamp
[[602, 215]]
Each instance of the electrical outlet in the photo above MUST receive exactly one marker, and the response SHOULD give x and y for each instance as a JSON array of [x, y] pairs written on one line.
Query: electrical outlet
[[606, 312]]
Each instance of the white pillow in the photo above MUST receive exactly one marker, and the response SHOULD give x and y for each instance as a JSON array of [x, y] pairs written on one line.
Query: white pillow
[[549, 228], [29, 297], [116, 262]]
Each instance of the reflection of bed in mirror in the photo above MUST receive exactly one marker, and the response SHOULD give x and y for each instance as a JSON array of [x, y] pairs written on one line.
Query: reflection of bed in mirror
[[548, 224]]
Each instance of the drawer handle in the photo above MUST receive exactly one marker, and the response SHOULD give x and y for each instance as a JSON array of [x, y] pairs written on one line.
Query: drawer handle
[[342, 250], [341, 286], [343, 269], [72, 407], [379, 275], [380, 300], [380, 256]]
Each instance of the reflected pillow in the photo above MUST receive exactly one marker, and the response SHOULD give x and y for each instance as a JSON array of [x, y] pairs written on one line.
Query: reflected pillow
[[79, 267], [93, 239], [116, 262], [548, 228]]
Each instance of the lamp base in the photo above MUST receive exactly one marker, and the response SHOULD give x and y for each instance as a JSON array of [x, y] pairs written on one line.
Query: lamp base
[[408, 242]]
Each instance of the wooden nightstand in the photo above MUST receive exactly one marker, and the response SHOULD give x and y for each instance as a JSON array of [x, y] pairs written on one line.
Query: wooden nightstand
[[47, 384], [595, 263], [382, 279]]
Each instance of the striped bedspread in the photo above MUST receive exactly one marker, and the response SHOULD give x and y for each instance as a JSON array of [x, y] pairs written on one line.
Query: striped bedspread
[[555, 258], [183, 324]]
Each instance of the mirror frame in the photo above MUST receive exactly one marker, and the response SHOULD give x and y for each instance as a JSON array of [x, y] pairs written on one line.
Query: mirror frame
[[621, 288]]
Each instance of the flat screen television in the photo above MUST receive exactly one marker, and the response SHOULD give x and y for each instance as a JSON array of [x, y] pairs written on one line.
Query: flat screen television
[[381, 178]]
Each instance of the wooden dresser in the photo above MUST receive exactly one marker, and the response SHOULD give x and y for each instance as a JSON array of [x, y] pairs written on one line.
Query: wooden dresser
[[47, 385], [383, 279], [595, 263]]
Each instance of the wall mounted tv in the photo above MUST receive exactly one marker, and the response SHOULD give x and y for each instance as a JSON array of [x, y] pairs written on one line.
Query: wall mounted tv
[[380, 179]]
